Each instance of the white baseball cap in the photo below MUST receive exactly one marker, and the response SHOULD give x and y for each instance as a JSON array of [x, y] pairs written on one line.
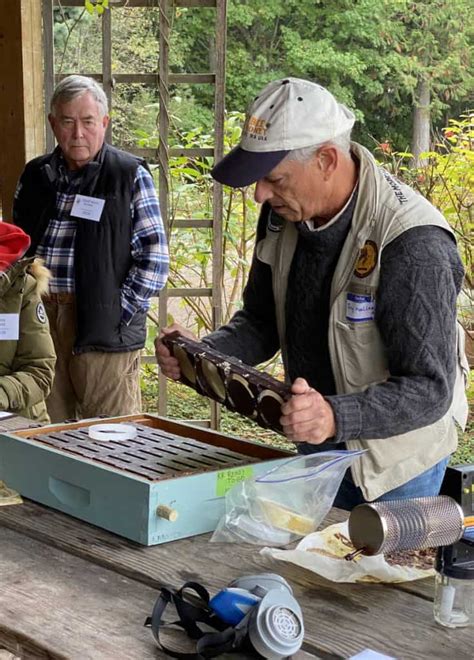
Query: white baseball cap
[[287, 114]]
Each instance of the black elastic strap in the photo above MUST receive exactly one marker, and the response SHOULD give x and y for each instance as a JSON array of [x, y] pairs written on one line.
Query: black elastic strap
[[209, 644]]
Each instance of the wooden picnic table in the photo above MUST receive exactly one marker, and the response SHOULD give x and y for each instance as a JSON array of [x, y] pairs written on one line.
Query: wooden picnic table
[[71, 590]]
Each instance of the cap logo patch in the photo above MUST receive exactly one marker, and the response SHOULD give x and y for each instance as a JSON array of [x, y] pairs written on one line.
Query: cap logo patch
[[256, 128], [367, 259]]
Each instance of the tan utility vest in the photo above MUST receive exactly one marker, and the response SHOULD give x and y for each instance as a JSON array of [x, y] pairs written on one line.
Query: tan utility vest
[[385, 209]]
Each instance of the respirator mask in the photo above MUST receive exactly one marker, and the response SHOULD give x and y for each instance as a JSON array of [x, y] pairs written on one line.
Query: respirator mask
[[255, 614]]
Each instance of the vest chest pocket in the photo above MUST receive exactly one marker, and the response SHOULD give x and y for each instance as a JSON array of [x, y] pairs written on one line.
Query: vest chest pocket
[[362, 354]]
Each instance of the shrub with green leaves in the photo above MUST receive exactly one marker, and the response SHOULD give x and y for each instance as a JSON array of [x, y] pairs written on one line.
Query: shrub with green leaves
[[446, 179]]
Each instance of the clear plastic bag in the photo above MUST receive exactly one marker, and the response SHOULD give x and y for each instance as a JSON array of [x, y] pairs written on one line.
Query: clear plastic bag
[[285, 503]]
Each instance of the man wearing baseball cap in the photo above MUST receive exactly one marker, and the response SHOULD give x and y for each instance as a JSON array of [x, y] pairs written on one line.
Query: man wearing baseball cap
[[355, 278]]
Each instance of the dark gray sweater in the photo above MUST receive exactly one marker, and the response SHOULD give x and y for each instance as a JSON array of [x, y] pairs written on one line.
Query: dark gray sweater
[[421, 276]]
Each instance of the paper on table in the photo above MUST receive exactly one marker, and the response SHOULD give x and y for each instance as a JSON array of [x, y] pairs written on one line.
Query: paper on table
[[323, 553], [369, 654], [8, 495]]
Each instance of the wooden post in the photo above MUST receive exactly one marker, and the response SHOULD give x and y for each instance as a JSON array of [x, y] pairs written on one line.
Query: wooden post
[[163, 159], [21, 93]]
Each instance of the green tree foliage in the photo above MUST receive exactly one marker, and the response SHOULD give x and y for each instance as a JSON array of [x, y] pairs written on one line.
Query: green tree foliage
[[96, 6], [446, 179], [370, 53], [374, 55], [437, 47]]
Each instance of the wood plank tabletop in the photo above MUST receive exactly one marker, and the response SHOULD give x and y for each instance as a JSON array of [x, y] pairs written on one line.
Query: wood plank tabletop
[[59, 575], [67, 607]]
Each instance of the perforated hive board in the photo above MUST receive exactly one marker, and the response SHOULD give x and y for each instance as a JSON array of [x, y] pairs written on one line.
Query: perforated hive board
[[154, 454]]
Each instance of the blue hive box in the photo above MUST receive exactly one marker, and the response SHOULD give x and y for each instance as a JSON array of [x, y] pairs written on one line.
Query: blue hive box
[[167, 483]]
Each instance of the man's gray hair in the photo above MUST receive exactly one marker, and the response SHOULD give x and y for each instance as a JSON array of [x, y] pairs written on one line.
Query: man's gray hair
[[72, 86], [342, 142]]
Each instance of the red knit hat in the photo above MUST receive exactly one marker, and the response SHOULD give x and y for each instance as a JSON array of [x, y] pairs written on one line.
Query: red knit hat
[[13, 244]]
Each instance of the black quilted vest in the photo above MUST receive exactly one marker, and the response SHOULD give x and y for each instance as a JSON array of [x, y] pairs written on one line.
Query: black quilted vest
[[102, 256]]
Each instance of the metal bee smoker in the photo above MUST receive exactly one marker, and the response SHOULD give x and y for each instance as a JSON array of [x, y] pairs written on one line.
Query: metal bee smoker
[[445, 522]]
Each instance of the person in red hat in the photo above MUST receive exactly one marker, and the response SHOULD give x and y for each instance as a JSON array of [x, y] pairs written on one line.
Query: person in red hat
[[27, 356], [13, 245]]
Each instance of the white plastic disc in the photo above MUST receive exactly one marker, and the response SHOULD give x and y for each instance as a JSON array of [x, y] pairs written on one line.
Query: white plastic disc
[[117, 432]]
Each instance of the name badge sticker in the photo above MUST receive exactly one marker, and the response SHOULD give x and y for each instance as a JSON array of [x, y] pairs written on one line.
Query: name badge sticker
[[87, 208], [360, 308], [9, 327]]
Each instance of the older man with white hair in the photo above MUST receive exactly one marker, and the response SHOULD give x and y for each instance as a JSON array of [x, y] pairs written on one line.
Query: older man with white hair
[[355, 278], [93, 216]]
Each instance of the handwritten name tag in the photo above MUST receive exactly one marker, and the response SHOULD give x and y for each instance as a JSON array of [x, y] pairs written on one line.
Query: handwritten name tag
[[360, 308], [87, 208], [9, 326]]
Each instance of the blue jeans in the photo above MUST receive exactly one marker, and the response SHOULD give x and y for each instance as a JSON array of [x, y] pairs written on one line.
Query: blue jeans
[[425, 484]]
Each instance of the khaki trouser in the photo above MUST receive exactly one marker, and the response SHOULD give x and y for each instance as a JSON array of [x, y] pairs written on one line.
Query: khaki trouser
[[88, 384]]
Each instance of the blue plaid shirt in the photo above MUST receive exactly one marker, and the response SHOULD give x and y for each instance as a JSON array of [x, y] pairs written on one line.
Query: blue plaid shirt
[[148, 245]]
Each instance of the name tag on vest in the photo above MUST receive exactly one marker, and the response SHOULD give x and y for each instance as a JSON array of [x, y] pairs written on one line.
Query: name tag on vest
[[360, 308], [9, 327], [87, 208]]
